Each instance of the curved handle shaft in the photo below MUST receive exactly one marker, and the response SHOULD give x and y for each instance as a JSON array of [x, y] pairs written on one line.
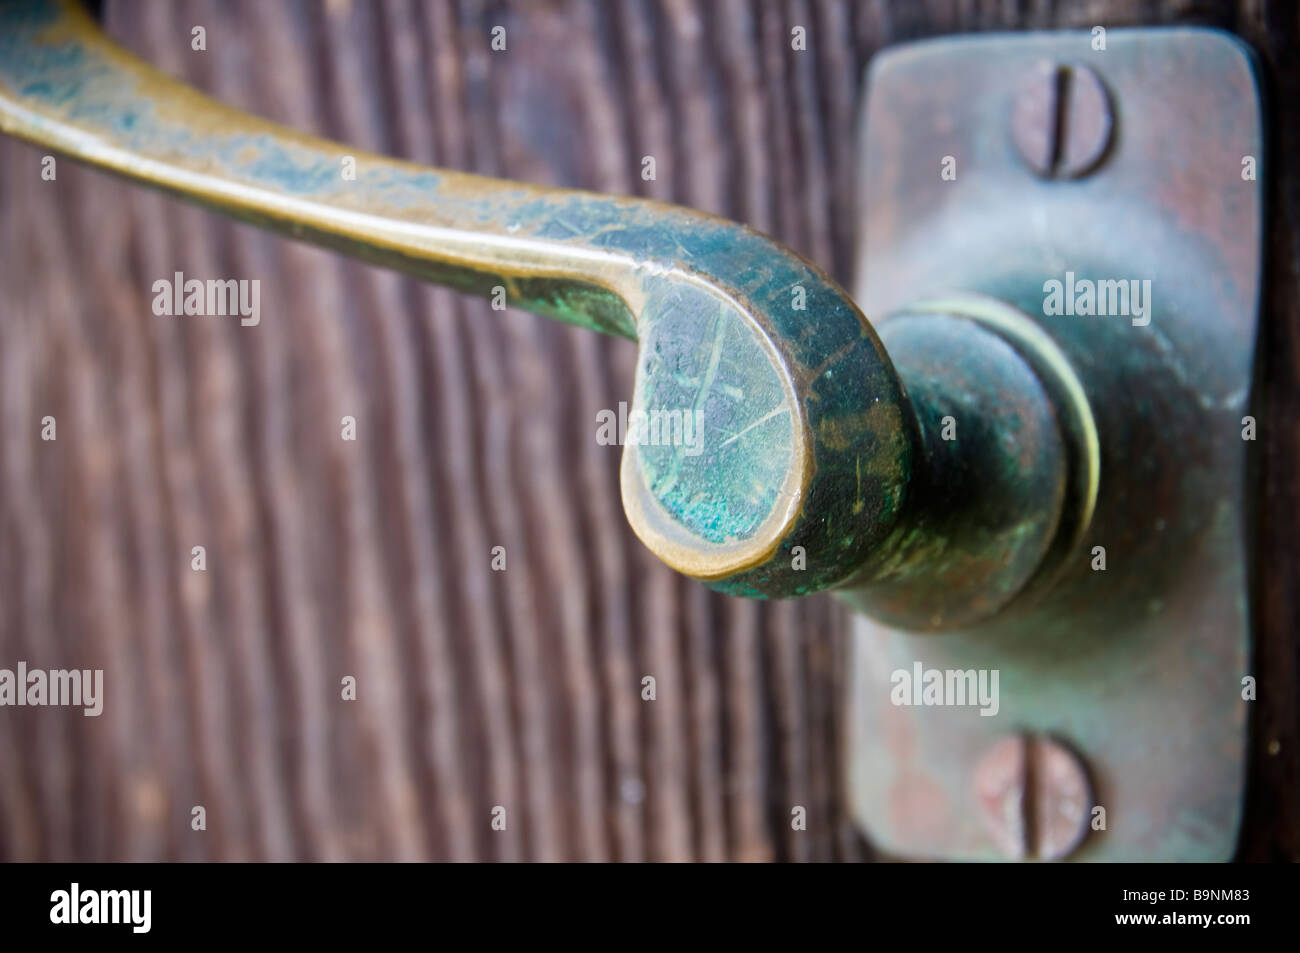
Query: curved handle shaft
[[67, 87], [802, 437]]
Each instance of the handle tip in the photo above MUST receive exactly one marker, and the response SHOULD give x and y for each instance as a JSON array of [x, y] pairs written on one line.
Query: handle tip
[[750, 467]]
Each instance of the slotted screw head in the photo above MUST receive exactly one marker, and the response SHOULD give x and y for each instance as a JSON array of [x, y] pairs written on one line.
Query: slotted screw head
[[1034, 797], [1062, 121]]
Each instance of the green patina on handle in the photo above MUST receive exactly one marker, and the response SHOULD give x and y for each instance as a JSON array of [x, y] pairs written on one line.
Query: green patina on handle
[[804, 436]]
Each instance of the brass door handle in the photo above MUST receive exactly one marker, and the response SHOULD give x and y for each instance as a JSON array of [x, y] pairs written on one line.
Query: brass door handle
[[807, 441], [814, 459]]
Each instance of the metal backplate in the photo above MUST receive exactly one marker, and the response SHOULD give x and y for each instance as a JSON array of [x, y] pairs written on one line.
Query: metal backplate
[[1138, 668]]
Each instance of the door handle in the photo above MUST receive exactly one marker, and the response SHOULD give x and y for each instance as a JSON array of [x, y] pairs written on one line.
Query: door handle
[[806, 436], [796, 458]]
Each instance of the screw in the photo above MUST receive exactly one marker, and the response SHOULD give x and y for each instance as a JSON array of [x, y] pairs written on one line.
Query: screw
[[1033, 794], [1062, 121]]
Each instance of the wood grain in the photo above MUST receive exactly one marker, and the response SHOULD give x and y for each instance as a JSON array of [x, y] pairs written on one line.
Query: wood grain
[[372, 558]]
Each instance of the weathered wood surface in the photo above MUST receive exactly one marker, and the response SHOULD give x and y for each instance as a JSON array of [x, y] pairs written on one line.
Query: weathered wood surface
[[325, 558]]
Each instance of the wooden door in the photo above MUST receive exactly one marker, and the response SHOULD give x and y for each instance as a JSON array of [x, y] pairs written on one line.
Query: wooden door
[[475, 688]]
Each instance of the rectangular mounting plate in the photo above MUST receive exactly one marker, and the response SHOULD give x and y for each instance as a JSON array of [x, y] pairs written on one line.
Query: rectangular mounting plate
[[1146, 689]]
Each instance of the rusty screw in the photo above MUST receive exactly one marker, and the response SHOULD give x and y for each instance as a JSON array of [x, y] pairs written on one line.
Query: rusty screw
[[1034, 795], [1062, 121]]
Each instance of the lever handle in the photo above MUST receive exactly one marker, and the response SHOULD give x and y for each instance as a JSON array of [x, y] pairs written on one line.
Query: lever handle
[[805, 439]]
